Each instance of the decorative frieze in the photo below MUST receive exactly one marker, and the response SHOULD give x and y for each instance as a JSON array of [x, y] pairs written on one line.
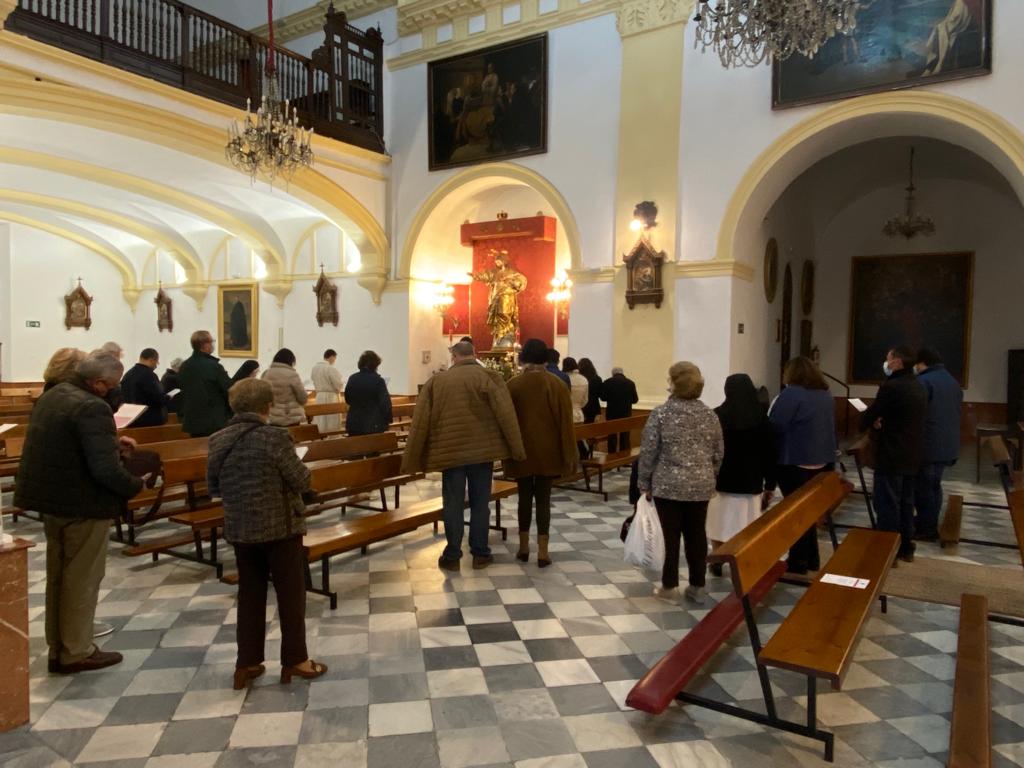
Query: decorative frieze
[[638, 16]]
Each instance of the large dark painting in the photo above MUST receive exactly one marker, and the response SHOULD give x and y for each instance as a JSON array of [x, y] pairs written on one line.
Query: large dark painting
[[238, 319], [489, 104], [897, 44], [917, 300]]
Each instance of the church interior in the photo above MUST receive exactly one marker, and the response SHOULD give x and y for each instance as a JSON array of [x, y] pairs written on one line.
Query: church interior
[[620, 179]]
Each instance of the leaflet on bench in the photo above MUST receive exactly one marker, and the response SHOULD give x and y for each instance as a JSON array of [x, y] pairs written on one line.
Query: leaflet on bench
[[845, 581]]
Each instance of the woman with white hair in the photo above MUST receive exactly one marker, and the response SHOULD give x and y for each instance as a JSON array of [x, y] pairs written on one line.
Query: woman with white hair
[[681, 450], [170, 382]]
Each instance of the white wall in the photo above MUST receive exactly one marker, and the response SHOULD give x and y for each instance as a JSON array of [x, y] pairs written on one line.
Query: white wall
[[6, 292], [968, 217]]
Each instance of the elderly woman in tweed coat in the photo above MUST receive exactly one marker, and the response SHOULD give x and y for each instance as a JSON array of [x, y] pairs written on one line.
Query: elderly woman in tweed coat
[[253, 468]]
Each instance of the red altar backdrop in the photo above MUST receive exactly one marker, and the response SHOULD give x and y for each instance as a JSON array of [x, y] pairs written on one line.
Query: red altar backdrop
[[530, 243], [456, 320]]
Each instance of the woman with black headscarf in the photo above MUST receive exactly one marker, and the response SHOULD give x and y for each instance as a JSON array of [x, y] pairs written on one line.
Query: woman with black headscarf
[[746, 479], [246, 370]]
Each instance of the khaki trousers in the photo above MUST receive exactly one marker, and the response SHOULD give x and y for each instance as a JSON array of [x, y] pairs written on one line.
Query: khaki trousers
[[76, 559]]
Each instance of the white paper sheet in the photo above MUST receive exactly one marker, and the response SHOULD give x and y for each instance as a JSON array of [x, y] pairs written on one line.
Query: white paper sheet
[[127, 414], [859, 404], [301, 451], [845, 581], [5, 427], [174, 393]]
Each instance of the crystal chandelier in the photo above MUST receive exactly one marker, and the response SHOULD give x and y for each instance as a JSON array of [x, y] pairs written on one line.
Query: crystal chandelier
[[745, 33], [270, 141], [910, 224]]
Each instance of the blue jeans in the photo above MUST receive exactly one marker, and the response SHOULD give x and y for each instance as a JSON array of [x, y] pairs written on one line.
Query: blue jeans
[[928, 498], [893, 497], [453, 492]]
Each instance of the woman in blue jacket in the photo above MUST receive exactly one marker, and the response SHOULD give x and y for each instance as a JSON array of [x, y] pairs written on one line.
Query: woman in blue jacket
[[803, 417]]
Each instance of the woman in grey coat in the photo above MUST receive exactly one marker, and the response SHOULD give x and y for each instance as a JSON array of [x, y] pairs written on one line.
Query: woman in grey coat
[[289, 392], [253, 468], [681, 452]]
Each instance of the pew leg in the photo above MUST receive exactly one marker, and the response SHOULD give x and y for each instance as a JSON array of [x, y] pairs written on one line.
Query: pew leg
[[325, 581], [812, 719], [497, 520], [832, 531], [884, 599], [435, 527], [383, 500], [600, 484], [198, 537], [398, 490]]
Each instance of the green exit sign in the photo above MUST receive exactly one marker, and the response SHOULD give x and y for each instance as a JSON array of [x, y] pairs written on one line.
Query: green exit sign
[[31, 323]]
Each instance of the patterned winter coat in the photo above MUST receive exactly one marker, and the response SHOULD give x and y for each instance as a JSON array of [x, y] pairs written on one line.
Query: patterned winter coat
[[252, 466], [463, 416], [681, 451]]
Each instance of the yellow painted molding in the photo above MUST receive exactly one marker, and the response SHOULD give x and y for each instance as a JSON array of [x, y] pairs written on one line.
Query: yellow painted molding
[[217, 110], [279, 289], [177, 246], [585, 276], [528, 24], [635, 17], [415, 15], [398, 286], [312, 19], [99, 246], [499, 171], [6, 9], [197, 292], [714, 268], [992, 128]]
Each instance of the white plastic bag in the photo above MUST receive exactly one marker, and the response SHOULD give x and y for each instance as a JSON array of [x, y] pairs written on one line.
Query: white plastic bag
[[645, 543]]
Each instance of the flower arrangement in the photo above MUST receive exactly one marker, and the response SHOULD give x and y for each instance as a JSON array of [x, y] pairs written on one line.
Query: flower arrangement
[[505, 366]]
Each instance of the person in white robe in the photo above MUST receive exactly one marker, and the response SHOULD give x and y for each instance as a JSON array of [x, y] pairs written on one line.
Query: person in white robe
[[328, 383]]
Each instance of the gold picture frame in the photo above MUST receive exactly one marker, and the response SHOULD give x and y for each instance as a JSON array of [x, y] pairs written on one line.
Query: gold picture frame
[[238, 320]]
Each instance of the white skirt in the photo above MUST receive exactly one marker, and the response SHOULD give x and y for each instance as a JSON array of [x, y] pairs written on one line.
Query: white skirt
[[730, 513]]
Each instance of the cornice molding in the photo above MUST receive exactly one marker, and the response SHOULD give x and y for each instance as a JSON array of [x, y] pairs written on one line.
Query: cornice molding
[[638, 16], [530, 23], [414, 15], [714, 268], [306, 22], [598, 275]]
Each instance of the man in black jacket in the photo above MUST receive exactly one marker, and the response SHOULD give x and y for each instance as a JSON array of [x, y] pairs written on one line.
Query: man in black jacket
[[71, 473], [204, 389], [898, 417], [140, 386], [619, 394]]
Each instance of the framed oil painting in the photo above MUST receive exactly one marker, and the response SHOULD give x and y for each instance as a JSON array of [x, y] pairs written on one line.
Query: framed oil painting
[[917, 300], [238, 318], [488, 105], [897, 44]]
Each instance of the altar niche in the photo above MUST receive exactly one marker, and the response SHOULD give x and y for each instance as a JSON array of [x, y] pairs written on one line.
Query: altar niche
[[530, 246]]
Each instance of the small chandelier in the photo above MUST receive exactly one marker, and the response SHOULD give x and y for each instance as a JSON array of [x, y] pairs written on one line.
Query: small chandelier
[[560, 293], [910, 224], [745, 33], [270, 141]]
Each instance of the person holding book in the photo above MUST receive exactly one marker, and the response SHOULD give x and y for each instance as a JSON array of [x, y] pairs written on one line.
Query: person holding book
[[140, 386]]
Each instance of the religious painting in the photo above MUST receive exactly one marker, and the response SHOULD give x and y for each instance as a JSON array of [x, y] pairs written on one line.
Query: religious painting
[[917, 300], [771, 269], [238, 320], [896, 44], [164, 318], [488, 105], [326, 300], [643, 275], [78, 308], [807, 288]]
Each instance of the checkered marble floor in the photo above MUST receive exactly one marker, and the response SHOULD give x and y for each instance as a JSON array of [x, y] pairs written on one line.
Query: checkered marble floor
[[510, 666]]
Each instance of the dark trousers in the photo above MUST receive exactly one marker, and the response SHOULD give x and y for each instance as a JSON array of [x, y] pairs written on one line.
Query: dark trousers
[[687, 518], [283, 562], [619, 442], [454, 482], [803, 555], [893, 497], [535, 489], [928, 498]]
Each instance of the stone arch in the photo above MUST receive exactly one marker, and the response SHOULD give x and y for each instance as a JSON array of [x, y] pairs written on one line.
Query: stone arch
[[899, 113], [500, 173]]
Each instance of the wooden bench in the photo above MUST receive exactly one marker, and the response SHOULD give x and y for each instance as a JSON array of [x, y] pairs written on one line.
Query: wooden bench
[[346, 448], [816, 639], [324, 543], [601, 462], [180, 449], [970, 733], [161, 434]]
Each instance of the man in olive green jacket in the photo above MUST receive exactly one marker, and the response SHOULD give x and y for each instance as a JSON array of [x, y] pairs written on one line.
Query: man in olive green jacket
[[204, 389], [464, 421]]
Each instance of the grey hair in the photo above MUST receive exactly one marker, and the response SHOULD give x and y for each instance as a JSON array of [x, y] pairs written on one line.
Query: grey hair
[[175, 363], [616, 370], [100, 365], [463, 349], [113, 348]]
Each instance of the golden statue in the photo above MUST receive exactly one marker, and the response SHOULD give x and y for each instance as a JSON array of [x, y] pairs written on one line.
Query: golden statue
[[502, 306]]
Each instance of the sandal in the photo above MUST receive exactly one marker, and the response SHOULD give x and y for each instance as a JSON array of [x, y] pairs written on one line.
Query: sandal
[[244, 674], [317, 670]]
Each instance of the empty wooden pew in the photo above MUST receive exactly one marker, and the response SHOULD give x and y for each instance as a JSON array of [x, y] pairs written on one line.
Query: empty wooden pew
[[970, 734], [601, 462]]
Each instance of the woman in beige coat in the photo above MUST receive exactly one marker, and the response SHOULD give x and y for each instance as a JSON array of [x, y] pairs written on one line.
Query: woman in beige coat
[[289, 391], [544, 411]]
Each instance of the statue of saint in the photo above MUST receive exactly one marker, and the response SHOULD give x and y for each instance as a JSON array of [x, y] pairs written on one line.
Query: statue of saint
[[502, 307]]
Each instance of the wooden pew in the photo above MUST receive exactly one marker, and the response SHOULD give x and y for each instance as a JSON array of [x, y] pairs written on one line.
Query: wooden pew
[[601, 462], [346, 448], [816, 639], [161, 434], [970, 733], [180, 449], [324, 409], [303, 433]]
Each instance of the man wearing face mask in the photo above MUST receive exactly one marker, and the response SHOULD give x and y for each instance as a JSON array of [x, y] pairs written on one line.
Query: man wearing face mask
[[898, 417], [71, 473]]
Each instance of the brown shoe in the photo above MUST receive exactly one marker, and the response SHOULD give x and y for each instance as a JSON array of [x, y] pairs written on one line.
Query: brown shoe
[[98, 660], [482, 562]]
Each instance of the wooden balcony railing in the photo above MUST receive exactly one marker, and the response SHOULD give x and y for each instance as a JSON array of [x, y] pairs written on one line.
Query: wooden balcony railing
[[338, 91]]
